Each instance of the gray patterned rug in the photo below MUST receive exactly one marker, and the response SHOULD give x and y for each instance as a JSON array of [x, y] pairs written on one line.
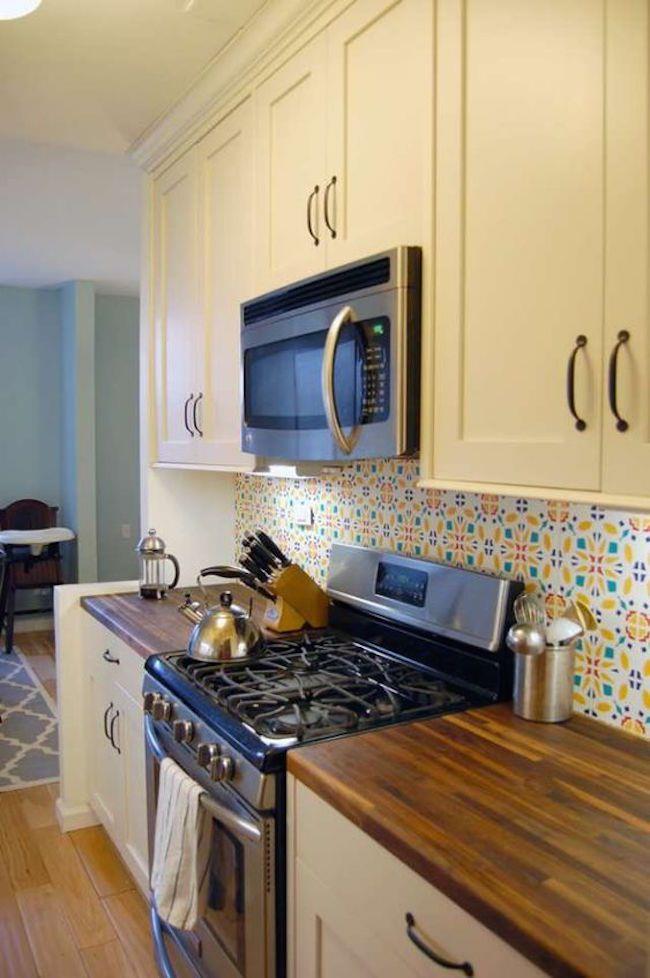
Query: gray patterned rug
[[29, 743]]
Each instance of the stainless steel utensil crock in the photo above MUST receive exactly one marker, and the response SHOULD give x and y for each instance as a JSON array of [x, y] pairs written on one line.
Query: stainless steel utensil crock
[[544, 684]]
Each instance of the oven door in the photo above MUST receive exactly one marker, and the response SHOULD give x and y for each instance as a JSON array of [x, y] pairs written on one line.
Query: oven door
[[321, 385], [235, 937]]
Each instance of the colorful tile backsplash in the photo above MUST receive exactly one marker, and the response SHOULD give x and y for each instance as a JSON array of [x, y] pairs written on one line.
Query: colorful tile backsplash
[[563, 549]]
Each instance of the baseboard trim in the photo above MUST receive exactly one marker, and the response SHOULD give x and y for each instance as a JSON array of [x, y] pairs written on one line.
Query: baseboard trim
[[31, 622], [71, 817]]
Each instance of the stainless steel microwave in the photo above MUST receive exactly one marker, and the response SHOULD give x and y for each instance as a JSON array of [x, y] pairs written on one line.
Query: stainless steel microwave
[[331, 365]]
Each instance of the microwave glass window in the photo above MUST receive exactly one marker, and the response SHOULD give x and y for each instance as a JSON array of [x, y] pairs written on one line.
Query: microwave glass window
[[282, 380]]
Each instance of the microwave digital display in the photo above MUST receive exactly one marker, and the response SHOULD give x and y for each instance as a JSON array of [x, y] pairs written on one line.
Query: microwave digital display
[[401, 583]]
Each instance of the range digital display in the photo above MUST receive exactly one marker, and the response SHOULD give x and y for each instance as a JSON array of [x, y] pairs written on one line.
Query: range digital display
[[402, 584]]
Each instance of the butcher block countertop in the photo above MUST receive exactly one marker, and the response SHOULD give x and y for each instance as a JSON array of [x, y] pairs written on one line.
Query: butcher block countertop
[[540, 831], [152, 627]]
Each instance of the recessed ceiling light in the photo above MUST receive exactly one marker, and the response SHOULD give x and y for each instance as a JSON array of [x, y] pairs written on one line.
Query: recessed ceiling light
[[12, 9]]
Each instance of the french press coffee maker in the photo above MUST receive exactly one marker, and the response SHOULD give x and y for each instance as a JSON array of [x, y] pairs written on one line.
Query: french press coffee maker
[[152, 566]]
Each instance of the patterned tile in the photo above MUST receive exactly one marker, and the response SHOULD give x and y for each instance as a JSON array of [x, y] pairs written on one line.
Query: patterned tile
[[560, 549]]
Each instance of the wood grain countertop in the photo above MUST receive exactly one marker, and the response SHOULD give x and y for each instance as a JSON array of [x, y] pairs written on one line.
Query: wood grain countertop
[[153, 627], [540, 831]]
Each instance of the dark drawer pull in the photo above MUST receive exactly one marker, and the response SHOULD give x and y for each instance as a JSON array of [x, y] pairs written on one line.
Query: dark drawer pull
[[107, 657], [465, 967], [621, 339]]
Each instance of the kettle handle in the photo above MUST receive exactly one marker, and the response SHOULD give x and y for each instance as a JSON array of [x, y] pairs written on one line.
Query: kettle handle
[[236, 573], [177, 571]]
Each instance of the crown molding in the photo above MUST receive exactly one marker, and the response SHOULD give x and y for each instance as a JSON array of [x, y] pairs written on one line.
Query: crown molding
[[273, 33]]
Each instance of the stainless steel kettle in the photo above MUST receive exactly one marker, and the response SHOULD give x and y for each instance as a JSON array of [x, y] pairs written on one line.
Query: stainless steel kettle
[[223, 633]]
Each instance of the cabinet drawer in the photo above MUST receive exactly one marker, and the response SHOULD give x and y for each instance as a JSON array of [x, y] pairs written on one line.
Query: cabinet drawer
[[112, 657], [381, 890]]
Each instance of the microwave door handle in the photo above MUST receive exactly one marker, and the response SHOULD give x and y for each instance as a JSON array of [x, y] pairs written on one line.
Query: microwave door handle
[[345, 442], [236, 823]]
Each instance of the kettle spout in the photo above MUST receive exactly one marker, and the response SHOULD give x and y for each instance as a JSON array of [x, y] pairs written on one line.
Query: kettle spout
[[192, 610]]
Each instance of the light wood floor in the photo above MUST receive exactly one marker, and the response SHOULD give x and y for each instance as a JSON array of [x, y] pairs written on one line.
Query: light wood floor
[[68, 906]]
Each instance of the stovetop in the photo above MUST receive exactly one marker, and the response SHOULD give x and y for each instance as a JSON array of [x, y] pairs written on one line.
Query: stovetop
[[319, 685]]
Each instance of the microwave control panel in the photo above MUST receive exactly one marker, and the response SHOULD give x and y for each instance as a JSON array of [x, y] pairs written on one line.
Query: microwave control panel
[[375, 404]]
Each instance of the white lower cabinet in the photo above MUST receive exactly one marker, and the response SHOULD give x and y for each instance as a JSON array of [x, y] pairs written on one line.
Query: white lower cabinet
[[116, 753], [348, 905]]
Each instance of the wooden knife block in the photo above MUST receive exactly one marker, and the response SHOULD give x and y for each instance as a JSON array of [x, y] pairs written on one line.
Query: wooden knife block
[[281, 617], [300, 601]]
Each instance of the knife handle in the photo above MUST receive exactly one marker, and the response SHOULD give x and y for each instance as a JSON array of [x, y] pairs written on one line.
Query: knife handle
[[272, 546]]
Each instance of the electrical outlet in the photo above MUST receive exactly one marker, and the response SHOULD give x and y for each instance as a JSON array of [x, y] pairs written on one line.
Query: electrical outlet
[[126, 531], [303, 515]]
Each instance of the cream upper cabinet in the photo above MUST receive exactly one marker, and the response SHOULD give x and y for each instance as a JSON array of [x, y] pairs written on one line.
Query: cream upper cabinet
[[203, 269], [175, 270], [519, 242], [626, 452], [290, 109], [379, 128], [225, 164], [345, 143]]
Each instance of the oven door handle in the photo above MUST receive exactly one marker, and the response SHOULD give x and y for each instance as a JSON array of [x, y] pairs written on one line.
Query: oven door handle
[[345, 442], [165, 966], [232, 820]]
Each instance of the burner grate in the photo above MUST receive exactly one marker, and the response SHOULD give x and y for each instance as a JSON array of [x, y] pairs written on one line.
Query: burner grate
[[318, 686]]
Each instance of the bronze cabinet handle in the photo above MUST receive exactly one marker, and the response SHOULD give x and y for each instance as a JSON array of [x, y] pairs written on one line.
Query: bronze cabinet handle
[[581, 342], [107, 657], [106, 712], [313, 194], [621, 423], [112, 727], [187, 424], [326, 207], [199, 397], [463, 966]]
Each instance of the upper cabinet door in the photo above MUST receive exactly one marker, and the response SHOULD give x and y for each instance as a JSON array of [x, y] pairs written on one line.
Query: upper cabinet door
[[626, 462], [176, 319], [226, 191], [380, 116], [290, 153], [520, 195]]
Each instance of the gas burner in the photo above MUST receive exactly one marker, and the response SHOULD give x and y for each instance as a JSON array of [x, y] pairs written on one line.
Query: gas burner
[[317, 686]]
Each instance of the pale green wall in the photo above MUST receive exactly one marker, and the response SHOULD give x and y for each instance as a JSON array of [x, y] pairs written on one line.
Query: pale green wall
[[30, 395], [78, 479], [117, 442], [69, 418]]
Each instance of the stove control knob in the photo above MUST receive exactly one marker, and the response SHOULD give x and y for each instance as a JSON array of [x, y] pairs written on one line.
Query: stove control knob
[[183, 731], [161, 709], [208, 757], [225, 769], [148, 701]]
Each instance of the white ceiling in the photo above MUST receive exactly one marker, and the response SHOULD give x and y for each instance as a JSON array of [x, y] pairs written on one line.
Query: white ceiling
[[95, 74], [80, 80]]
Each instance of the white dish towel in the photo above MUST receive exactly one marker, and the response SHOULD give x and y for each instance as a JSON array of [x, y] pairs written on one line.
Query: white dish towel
[[181, 847]]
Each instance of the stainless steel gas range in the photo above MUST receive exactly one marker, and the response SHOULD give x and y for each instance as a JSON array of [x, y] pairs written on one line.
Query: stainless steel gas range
[[408, 639]]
